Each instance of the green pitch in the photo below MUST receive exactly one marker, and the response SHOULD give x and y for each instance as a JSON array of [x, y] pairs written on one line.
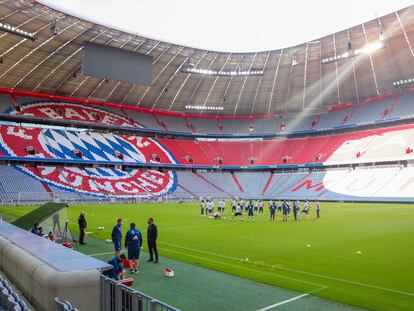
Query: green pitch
[[357, 254]]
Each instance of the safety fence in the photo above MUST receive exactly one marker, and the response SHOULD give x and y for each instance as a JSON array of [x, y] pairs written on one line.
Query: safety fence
[[118, 297]]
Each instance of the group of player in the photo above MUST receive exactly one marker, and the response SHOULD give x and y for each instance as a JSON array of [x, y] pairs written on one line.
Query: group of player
[[208, 209], [251, 207]]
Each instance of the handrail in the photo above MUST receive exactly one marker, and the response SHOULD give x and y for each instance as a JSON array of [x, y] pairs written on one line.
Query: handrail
[[118, 297]]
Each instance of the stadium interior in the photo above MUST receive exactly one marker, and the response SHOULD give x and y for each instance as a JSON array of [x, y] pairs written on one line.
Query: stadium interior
[[330, 121]]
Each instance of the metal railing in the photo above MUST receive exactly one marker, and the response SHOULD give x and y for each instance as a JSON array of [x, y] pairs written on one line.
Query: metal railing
[[118, 297]]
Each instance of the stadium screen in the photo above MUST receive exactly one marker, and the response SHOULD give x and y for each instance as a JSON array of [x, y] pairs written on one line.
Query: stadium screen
[[116, 64]]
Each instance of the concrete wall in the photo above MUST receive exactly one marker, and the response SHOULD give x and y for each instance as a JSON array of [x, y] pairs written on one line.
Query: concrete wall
[[40, 283]]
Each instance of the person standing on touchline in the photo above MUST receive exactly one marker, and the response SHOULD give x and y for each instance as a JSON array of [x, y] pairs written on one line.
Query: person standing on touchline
[[82, 226], [152, 234], [117, 236]]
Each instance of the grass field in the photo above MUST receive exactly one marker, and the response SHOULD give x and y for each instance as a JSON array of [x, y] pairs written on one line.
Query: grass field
[[357, 254]]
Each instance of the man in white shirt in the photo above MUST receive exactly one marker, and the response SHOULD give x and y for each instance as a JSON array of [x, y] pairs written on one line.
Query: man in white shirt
[[306, 208], [238, 212]]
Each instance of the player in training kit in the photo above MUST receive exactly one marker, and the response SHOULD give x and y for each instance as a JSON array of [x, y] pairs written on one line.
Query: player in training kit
[[306, 208], [211, 210], [217, 215], [318, 210], [285, 208], [272, 210], [260, 207], [202, 207], [279, 206], [221, 206], [209, 207], [250, 211], [238, 212], [256, 206], [246, 205], [206, 205], [296, 209], [233, 205], [133, 242]]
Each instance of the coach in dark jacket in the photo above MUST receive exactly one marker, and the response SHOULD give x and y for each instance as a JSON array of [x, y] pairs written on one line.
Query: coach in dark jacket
[[82, 227], [152, 233]]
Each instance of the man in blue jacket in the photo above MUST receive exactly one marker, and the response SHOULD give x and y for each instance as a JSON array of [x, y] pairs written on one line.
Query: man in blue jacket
[[117, 236], [133, 242], [117, 272], [36, 229]]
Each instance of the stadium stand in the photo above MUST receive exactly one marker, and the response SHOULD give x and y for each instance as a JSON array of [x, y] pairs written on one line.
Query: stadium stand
[[374, 145], [252, 187], [175, 124], [226, 181], [145, 119], [9, 298], [403, 108], [200, 186], [64, 305], [388, 107], [210, 126], [75, 184], [384, 144], [23, 187], [5, 103], [369, 112], [364, 184]]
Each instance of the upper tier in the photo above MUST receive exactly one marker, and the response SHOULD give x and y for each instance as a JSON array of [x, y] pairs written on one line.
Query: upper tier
[[385, 108]]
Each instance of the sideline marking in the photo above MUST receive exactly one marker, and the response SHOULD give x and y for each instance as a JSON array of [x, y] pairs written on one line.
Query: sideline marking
[[277, 304], [320, 286], [283, 302], [302, 272], [294, 270]]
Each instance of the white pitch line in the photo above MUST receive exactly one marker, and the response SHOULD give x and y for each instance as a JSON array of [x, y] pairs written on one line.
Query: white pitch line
[[99, 254], [283, 302], [291, 299], [299, 271], [303, 272], [320, 286], [231, 265]]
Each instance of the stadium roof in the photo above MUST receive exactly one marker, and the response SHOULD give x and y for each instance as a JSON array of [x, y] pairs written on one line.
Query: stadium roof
[[229, 25], [294, 79]]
